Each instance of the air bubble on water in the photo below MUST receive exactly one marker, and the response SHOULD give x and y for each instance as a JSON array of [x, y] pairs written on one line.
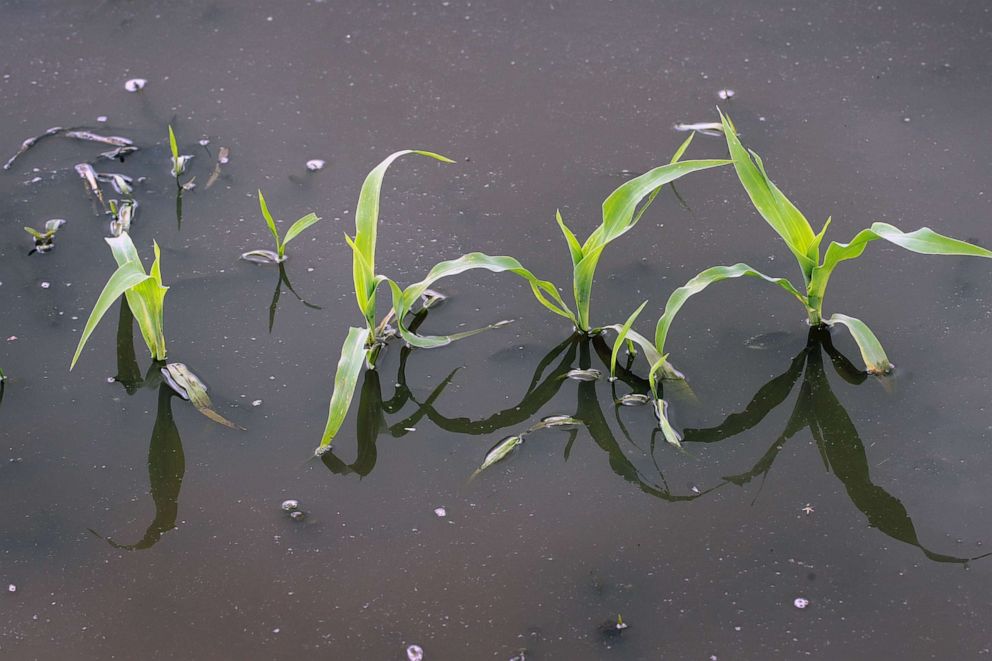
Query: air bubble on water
[[800, 602], [11, 588], [135, 84], [102, 119], [290, 505], [315, 164], [415, 653], [46, 285]]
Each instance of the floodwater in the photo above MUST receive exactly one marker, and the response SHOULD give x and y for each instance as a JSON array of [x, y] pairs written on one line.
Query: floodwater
[[133, 527]]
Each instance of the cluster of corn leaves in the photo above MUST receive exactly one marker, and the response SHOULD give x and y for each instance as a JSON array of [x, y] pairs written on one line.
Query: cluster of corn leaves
[[144, 292], [805, 245]]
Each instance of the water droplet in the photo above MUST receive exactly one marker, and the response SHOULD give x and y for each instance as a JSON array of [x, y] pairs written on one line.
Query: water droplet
[[800, 602], [440, 512], [315, 164], [726, 94], [135, 84], [415, 653], [290, 505]]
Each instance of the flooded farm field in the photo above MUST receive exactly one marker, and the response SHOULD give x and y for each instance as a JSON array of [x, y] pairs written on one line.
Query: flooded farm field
[[798, 506]]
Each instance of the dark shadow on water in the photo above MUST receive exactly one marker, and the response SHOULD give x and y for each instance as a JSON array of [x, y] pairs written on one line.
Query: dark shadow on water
[[284, 280], [166, 468], [837, 439], [128, 371]]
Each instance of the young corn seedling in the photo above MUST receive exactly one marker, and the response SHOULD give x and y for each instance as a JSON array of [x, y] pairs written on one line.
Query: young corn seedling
[[622, 210], [816, 267], [45, 241], [364, 344], [279, 255], [179, 161], [144, 292]]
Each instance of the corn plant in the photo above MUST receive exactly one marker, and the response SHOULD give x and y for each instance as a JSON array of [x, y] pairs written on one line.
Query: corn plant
[[364, 344], [791, 225], [144, 292], [279, 255], [622, 210], [179, 162]]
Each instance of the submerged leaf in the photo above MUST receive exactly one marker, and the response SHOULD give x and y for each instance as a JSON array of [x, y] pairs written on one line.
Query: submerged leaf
[[871, 349], [499, 452], [353, 353], [634, 399], [661, 413], [262, 257], [191, 388], [584, 375]]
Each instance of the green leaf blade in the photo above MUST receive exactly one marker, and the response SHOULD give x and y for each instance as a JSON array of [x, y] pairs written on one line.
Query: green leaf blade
[[270, 222], [299, 227], [345, 380], [871, 349], [126, 276]]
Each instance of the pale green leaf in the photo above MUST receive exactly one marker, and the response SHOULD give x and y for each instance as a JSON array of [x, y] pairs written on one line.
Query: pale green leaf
[[299, 226], [622, 337], [697, 284], [770, 202], [269, 221], [574, 248], [172, 145], [345, 379], [126, 276], [872, 353]]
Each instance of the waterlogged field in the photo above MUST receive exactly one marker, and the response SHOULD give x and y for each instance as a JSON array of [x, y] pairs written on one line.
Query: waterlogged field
[[498, 497]]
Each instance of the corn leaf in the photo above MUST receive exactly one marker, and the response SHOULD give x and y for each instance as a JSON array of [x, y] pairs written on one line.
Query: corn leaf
[[771, 203], [697, 284], [345, 379], [622, 336], [299, 227], [403, 301], [656, 361], [924, 241], [269, 221], [661, 413], [147, 299], [124, 278], [871, 349], [366, 226], [574, 248], [173, 146]]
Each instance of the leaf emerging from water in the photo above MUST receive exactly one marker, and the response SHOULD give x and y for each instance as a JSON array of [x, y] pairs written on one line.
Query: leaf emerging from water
[[872, 353], [345, 379]]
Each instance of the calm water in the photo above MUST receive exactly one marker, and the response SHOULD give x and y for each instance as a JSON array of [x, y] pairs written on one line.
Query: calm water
[[133, 527]]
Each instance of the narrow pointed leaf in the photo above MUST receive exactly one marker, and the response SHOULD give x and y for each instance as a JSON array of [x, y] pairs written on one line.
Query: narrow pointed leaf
[[124, 278], [269, 221], [345, 379], [622, 337], [299, 226], [172, 145], [771, 203], [701, 282], [574, 248], [661, 413], [872, 353]]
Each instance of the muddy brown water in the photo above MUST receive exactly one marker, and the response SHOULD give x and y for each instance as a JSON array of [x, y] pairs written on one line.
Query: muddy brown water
[[133, 527]]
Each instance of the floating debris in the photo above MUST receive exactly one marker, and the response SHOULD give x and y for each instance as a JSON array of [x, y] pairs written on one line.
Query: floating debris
[[440, 512], [415, 653], [30, 142], [800, 602], [88, 175], [11, 588], [499, 452], [706, 128], [102, 119], [290, 505], [634, 399], [256, 402], [315, 165], [297, 515], [120, 182], [222, 157], [123, 216], [204, 142], [188, 386], [89, 136], [119, 153], [431, 297], [584, 375], [46, 285], [45, 241], [262, 257], [726, 94], [563, 422], [135, 84]]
